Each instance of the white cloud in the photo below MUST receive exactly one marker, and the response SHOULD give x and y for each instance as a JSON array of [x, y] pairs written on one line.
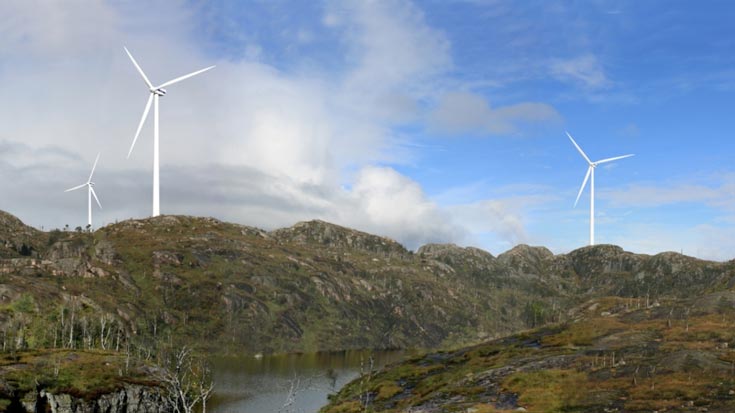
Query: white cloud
[[584, 70], [54, 29], [389, 203], [460, 112], [245, 142], [703, 241], [492, 216], [391, 46], [719, 194]]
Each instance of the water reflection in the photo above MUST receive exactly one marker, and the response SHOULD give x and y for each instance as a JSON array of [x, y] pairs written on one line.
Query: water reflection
[[288, 383]]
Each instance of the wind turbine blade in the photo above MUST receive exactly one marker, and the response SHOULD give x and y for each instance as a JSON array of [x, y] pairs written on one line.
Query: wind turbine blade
[[76, 187], [145, 78], [95, 197], [142, 121], [179, 79], [614, 159], [579, 149], [586, 177], [93, 167]]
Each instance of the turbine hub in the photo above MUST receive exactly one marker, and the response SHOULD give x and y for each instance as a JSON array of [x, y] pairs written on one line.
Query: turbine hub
[[159, 91], [90, 183]]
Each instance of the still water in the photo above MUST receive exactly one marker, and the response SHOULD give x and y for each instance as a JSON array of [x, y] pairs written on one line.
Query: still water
[[292, 383]]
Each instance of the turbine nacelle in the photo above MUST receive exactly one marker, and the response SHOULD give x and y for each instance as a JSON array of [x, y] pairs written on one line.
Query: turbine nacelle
[[159, 91]]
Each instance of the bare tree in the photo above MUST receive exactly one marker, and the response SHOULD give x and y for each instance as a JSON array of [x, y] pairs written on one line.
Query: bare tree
[[365, 377], [188, 382], [71, 323], [297, 385], [104, 334]]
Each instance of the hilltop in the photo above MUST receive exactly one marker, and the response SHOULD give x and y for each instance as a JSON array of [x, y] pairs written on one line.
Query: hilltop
[[314, 286]]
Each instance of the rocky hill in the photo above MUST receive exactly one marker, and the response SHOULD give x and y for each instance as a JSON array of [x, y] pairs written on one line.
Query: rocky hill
[[18, 239], [314, 286], [612, 355]]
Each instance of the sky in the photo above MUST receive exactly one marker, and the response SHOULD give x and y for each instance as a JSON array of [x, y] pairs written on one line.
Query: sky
[[424, 121]]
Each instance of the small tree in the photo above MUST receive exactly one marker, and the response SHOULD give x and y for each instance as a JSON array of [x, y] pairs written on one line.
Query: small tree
[[25, 250]]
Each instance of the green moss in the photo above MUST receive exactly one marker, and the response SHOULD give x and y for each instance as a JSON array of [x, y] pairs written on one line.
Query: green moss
[[84, 374], [388, 390], [548, 390]]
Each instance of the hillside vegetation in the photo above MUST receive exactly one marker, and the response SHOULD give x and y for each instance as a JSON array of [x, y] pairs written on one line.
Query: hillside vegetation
[[314, 286], [613, 355]]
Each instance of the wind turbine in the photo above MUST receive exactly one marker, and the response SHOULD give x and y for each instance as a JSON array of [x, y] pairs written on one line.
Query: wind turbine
[[591, 176], [155, 93], [90, 192]]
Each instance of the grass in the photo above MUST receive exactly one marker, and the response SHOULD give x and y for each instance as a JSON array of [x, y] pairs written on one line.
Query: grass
[[548, 390], [584, 333], [83, 374]]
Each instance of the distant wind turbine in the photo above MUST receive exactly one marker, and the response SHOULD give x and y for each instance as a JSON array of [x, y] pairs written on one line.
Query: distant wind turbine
[[90, 192], [155, 93], [591, 176]]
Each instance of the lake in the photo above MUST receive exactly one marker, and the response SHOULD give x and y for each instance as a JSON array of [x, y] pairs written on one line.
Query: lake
[[288, 383]]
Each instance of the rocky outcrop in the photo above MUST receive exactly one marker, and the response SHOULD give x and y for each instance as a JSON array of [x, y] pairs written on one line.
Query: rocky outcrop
[[132, 398], [18, 239], [469, 261], [337, 237], [26, 266], [603, 259], [452, 252], [525, 258]]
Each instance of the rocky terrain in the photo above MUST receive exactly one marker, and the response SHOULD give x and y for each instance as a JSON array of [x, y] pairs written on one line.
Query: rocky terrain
[[315, 286], [612, 355], [69, 381], [175, 280]]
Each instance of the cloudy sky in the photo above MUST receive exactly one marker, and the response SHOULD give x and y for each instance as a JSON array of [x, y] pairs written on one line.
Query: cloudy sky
[[425, 121]]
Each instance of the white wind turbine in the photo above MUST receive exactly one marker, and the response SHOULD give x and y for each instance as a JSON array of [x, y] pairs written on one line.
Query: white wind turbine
[[591, 176], [90, 192], [155, 93]]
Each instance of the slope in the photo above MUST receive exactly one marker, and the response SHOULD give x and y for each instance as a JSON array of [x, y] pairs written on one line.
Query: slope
[[613, 355]]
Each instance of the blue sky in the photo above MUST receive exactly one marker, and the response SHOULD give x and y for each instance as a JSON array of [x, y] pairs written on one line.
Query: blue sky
[[430, 121]]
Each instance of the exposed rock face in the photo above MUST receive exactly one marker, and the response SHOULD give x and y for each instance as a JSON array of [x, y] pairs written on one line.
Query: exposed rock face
[[130, 399], [69, 256], [525, 258], [451, 252], [471, 261], [603, 259], [335, 236], [608, 269]]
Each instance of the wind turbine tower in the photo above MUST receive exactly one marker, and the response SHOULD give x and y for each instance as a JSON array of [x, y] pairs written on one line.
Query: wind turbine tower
[[155, 93], [591, 177], [90, 192]]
